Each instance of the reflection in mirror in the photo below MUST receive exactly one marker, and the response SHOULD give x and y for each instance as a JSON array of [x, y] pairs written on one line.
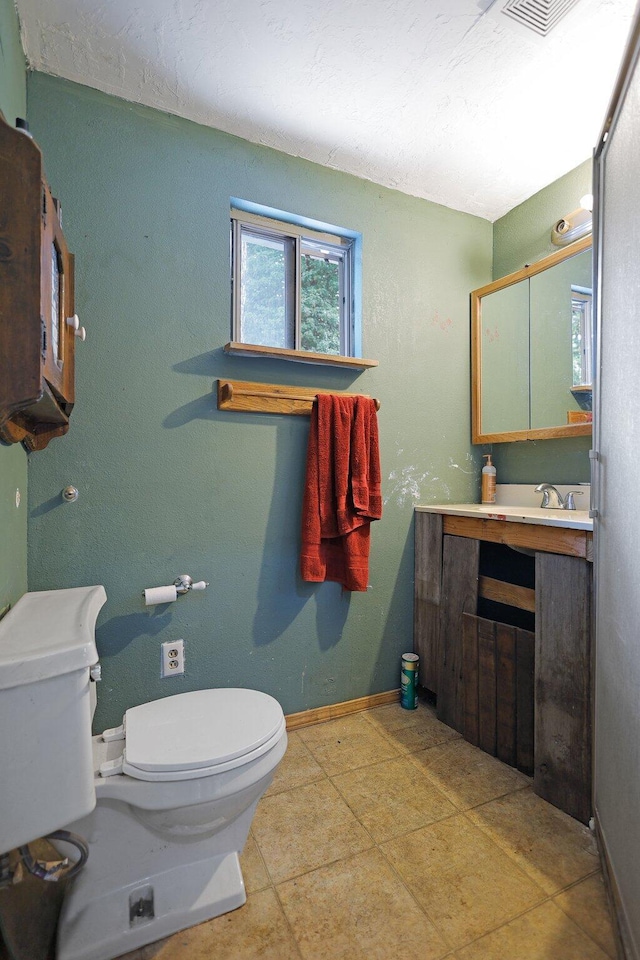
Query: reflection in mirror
[[531, 340], [505, 359], [551, 364], [581, 334]]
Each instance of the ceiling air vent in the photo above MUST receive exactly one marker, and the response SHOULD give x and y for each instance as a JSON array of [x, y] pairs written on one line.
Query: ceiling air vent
[[540, 16]]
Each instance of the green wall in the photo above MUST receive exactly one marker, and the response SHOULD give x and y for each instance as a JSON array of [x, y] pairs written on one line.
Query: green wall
[[168, 484], [13, 459], [523, 236]]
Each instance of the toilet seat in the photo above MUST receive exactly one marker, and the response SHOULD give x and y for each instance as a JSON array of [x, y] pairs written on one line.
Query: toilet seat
[[195, 734]]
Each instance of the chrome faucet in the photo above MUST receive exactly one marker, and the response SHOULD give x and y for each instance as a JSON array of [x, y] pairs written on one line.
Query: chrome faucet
[[552, 500]]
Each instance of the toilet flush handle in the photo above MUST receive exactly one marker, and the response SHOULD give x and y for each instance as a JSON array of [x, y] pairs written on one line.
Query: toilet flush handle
[[184, 583]]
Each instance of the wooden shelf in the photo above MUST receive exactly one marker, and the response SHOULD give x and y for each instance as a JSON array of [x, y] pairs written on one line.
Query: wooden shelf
[[246, 397], [300, 356]]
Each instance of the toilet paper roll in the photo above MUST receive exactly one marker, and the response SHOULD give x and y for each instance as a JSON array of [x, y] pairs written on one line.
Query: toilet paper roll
[[160, 595]]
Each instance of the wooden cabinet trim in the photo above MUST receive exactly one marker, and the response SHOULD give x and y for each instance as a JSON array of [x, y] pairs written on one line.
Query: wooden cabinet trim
[[500, 591], [563, 540]]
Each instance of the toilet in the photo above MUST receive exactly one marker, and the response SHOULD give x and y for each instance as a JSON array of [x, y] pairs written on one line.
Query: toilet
[[164, 801]]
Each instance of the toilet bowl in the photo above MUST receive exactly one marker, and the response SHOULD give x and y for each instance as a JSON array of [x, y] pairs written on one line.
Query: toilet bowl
[[164, 801], [176, 787]]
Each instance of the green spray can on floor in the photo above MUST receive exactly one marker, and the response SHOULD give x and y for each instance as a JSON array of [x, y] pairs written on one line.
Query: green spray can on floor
[[409, 681]]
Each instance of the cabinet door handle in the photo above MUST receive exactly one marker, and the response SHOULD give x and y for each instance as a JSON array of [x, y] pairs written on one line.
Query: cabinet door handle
[[594, 461], [78, 331]]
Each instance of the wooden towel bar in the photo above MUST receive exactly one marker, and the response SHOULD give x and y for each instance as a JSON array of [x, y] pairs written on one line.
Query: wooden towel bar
[[241, 395]]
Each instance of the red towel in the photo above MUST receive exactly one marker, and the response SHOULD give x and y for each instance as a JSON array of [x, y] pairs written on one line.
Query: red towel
[[342, 491]]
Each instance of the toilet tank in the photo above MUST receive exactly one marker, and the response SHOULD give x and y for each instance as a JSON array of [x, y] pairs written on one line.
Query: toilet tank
[[47, 649]]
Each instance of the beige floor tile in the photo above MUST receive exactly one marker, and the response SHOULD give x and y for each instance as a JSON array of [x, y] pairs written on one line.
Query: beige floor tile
[[257, 930], [410, 730], [253, 868], [346, 744], [553, 848], [305, 828], [587, 904], [466, 775], [545, 933], [297, 767], [393, 798], [357, 909], [464, 882]]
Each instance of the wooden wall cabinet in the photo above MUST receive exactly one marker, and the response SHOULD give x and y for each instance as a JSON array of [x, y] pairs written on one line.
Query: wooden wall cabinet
[[38, 326], [480, 671]]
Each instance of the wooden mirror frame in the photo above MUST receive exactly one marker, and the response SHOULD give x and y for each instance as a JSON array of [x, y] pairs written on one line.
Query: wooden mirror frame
[[540, 433]]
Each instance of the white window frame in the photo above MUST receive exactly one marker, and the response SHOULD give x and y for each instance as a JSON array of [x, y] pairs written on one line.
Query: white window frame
[[340, 248], [585, 297]]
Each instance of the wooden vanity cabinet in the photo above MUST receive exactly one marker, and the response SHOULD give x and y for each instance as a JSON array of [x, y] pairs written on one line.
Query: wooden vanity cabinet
[[489, 673], [37, 343]]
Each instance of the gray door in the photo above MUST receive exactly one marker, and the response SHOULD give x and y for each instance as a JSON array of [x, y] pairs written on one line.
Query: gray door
[[616, 495]]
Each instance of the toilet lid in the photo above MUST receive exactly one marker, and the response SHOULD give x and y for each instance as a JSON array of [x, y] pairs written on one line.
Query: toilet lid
[[198, 731]]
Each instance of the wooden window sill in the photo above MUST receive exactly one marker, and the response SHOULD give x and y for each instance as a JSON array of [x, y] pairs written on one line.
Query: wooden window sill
[[301, 356]]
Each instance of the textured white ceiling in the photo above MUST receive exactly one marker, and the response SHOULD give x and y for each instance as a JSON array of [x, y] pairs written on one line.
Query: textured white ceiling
[[435, 98]]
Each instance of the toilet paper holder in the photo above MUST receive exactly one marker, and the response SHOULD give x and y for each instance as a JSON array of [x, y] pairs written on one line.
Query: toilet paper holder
[[184, 583], [181, 585]]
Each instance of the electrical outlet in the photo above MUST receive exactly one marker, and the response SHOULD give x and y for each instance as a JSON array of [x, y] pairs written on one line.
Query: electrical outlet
[[172, 658]]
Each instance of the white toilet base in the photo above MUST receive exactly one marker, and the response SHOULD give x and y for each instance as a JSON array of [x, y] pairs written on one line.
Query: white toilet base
[[179, 883], [163, 856], [104, 929]]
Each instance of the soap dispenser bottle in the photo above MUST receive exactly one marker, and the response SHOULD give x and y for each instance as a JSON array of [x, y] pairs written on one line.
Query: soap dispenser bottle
[[488, 480]]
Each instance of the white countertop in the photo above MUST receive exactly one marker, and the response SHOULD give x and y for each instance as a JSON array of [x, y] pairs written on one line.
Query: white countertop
[[574, 519], [504, 509]]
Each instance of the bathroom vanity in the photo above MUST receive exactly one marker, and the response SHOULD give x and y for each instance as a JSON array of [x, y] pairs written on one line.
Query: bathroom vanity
[[502, 627]]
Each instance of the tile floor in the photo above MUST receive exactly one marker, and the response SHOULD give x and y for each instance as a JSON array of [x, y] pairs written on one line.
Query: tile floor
[[385, 835]]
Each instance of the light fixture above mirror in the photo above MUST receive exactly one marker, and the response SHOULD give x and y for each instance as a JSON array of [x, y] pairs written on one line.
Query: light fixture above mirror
[[575, 225]]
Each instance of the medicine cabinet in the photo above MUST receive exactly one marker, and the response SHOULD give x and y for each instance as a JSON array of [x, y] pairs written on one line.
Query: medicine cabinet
[[38, 325], [531, 350]]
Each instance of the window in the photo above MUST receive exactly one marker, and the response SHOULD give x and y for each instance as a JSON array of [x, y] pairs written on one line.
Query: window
[[581, 332], [293, 286]]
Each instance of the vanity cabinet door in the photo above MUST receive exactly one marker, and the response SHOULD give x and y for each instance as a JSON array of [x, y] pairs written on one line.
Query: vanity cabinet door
[[562, 773], [498, 666], [459, 595], [426, 604]]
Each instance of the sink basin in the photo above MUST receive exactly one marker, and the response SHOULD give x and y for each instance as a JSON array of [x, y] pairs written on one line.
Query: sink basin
[[519, 512]]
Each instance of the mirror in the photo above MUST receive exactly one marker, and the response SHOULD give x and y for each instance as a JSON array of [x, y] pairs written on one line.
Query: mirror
[[531, 350]]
